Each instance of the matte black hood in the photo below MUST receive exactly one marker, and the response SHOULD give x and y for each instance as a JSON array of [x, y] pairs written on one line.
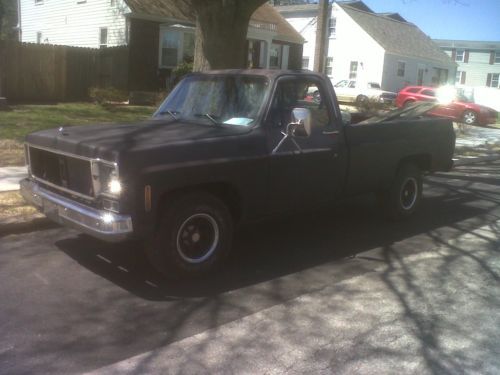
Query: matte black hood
[[107, 141]]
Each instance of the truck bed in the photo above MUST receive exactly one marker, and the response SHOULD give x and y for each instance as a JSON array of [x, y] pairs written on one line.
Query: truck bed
[[376, 149]]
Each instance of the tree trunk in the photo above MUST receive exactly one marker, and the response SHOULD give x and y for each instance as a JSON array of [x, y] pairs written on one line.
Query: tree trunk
[[320, 48], [221, 32]]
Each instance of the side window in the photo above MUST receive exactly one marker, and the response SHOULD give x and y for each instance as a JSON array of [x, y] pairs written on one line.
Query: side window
[[299, 93], [428, 93], [352, 84]]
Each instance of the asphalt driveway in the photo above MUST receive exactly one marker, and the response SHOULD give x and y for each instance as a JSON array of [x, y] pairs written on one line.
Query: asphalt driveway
[[334, 291]]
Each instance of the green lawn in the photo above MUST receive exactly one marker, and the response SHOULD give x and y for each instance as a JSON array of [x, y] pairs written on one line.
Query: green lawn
[[25, 119]]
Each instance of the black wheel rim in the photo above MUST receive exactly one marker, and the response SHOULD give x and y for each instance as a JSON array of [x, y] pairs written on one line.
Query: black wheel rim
[[409, 193], [197, 238]]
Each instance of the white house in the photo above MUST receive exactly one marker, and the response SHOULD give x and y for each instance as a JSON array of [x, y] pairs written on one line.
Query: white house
[[371, 47], [159, 33], [478, 61]]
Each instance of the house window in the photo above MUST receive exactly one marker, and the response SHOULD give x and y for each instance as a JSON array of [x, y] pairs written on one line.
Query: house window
[[332, 27], [39, 37], [170, 48], [353, 70], [188, 47], [460, 55], [329, 66], [497, 57], [458, 78], [305, 63], [401, 69], [495, 79], [103, 37], [176, 46], [275, 56]]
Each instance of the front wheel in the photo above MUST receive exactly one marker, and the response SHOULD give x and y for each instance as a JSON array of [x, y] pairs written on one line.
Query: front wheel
[[469, 117], [193, 238], [405, 194]]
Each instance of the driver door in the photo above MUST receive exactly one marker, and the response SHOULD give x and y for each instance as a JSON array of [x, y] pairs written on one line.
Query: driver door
[[304, 171]]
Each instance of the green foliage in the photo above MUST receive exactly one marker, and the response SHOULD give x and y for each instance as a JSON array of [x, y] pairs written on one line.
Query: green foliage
[[109, 94], [8, 19], [182, 69]]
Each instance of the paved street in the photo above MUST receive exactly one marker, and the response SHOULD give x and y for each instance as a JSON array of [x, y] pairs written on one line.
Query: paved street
[[338, 291]]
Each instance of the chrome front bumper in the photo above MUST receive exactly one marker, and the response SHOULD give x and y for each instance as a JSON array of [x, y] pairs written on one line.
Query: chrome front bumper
[[105, 225]]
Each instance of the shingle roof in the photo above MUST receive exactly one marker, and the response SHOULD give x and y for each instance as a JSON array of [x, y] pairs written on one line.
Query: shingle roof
[[170, 9], [399, 38]]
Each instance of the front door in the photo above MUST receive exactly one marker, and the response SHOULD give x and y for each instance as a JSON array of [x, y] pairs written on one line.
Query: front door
[[314, 166]]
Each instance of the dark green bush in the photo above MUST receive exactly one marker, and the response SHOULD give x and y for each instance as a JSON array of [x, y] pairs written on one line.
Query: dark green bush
[[108, 94]]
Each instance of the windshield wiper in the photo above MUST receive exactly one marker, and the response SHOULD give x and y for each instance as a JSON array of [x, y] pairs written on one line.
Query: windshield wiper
[[171, 113], [209, 116]]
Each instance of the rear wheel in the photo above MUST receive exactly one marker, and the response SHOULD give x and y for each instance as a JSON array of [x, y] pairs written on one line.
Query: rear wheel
[[469, 117], [193, 238], [405, 194], [408, 103]]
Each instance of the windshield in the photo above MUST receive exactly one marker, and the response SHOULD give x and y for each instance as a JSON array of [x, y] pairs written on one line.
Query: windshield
[[373, 85], [341, 83], [232, 100]]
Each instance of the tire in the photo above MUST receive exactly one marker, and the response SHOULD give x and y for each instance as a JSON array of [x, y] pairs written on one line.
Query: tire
[[404, 196], [408, 103], [316, 96], [469, 117], [361, 100], [193, 238]]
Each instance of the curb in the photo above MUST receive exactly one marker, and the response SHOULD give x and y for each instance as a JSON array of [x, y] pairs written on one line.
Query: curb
[[467, 161], [9, 227]]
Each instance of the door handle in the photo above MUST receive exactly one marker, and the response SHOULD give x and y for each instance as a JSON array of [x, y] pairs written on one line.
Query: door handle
[[330, 132]]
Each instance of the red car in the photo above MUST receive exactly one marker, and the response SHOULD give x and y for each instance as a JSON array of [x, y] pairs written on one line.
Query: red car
[[461, 108]]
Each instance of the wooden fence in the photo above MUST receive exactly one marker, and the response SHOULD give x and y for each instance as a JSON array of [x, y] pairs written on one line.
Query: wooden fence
[[41, 72]]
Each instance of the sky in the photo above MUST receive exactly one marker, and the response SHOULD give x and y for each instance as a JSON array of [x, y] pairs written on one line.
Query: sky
[[448, 19]]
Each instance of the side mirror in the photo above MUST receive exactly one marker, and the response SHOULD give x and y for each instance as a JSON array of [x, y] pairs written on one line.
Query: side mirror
[[346, 117], [301, 123]]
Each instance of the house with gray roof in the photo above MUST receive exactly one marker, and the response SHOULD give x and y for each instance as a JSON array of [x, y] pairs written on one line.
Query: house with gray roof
[[371, 47], [160, 34]]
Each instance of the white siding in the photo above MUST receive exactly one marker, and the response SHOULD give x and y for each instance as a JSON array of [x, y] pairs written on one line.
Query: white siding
[[392, 82], [74, 22], [306, 26], [352, 43], [478, 67]]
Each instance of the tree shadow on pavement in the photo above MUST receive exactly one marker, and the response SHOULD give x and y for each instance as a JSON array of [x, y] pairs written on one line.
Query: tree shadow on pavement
[[130, 307]]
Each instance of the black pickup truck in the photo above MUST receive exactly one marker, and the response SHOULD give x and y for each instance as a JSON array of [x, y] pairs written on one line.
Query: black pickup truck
[[226, 147]]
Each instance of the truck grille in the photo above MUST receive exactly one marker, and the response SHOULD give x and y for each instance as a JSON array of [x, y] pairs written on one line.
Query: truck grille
[[67, 172]]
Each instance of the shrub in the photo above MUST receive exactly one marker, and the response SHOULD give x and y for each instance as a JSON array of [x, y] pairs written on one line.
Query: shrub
[[182, 69], [109, 94]]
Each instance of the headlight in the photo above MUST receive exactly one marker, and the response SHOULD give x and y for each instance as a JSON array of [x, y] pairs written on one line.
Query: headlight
[[115, 186], [106, 179]]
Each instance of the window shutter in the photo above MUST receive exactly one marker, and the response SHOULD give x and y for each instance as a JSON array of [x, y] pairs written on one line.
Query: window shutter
[[453, 54], [488, 80], [492, 57], [466, 58], [462, 78]]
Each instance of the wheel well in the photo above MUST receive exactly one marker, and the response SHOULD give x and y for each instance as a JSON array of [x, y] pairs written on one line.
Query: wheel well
[[226, 192], [469, 110], [423, 161]]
